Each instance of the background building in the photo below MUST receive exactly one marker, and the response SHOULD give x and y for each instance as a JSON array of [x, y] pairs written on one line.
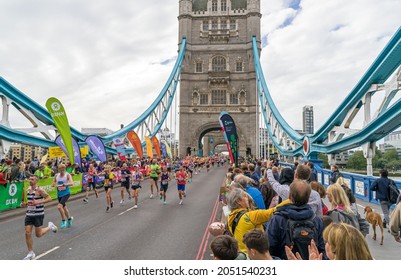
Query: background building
[[307, 119]]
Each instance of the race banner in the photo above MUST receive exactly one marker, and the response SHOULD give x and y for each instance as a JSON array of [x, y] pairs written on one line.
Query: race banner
[[149, 149], [164, 150], [230, 136], [119, 144], [59, 116], [77, 151], [170, 155], [157, 146], [11, 195], [97, 147], [136, 143]]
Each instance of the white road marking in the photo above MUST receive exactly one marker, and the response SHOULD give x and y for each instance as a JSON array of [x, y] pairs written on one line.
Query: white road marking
[[129, 209], [45, 253]]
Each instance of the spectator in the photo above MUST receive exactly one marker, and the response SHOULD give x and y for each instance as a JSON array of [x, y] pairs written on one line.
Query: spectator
[[335, 174], [345, 242], [241, 220], [257, 245], [395, 223], [313, 174], [381, 187], [256, 195], [225, 247], [298, 210]]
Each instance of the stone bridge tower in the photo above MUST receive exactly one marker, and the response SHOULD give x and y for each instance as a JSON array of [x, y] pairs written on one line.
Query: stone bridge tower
[[218, 71]]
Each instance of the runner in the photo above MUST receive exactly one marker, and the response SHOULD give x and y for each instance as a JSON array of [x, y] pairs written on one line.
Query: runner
[[165, 178], [35, 213], [126, 175], [181, 177], [63, 181], [92, 173], [154, 176], [137, 178], [108, 186]]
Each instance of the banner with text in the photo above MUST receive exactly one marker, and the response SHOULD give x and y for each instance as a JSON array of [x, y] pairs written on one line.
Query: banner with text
[[97, 147], [119, 144], [59, 116], [230, 136], [11, 195], [77, 151]]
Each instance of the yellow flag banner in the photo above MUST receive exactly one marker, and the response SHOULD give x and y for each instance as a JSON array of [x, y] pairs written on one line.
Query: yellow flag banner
[[149, 149], [157, 146], [56, 152], [136, 142]]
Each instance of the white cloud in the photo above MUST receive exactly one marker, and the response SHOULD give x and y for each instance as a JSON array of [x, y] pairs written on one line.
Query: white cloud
[[103, 59]]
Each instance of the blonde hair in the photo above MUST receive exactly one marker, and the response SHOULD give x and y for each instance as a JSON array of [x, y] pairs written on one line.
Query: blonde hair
[[346, 242], [341, 182], [338, 197]]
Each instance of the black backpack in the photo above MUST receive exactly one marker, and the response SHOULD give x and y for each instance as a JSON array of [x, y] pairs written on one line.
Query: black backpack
[[394, 192], [299, 234], [236, 220]]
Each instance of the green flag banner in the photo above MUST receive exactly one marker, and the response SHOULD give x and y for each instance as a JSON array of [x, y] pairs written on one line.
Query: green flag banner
[[11, 195], [57, 112]]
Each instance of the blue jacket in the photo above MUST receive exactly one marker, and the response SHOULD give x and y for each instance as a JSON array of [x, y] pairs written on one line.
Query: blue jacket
[[381, 187], [278, 228], [256, 196]]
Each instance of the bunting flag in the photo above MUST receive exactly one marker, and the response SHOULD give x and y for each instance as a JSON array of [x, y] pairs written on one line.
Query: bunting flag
[[230, 136], [149, 149], [57, 112], [44, 158], [97, 147], [77, 151], [163, 149], [156, 144], [170, 155], [119, 144], [136, 143]]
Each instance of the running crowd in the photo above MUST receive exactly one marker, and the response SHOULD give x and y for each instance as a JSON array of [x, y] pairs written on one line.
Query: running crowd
[[280, 213], [128, 175]]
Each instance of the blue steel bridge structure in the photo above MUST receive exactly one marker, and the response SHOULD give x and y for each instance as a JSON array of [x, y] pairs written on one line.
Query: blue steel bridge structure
[[336, 135]]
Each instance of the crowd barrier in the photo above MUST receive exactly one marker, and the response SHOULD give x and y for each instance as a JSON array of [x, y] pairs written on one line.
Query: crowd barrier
[[11, 193], [359, 184]]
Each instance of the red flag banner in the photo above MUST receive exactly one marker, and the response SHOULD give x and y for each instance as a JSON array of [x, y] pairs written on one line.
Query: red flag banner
[[136, 142], [156, 144]]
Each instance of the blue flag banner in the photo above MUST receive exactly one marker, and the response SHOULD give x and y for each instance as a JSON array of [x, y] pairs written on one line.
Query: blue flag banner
[[230, 136], [77, 150], [163, 149], [97, 147]]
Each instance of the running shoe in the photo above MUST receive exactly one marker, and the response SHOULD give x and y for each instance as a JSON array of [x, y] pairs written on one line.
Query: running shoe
[[135, 206], [52, 227], [180, 202], [31, 255], [129, 198], [86, 200], [164, 202], [107, 209], [69, 221], [122, 201], [151, 196], [111, 204], [63, 224]]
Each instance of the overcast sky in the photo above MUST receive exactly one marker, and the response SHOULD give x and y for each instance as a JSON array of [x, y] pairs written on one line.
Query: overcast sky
[[107, 60]]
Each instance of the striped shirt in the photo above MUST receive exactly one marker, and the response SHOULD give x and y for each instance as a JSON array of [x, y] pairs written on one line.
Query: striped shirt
[[34, 210]]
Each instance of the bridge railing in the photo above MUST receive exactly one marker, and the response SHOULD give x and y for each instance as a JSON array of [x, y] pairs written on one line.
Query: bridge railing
[[359, 184]]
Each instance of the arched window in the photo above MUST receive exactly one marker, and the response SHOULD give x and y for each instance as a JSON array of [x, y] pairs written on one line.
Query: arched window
[[218, 64], [214, 6]]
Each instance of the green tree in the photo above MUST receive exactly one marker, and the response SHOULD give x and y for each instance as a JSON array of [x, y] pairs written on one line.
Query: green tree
[[357, 161], [325, 160], [390, 155], [377, 160]]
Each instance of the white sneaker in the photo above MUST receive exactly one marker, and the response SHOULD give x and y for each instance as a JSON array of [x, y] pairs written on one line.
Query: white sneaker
[[31, 255], [180, 202], [151, 196], [135, 206], [52, 227], [122, 201]]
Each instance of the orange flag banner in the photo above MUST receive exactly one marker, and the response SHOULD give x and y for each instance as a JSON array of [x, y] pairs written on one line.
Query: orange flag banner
[[136, 142], [157, 146], [149, 149]]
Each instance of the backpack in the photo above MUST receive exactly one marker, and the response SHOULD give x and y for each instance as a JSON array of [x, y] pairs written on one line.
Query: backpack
[[299, 234], [394, 192], [236, 220], [339, 216]]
